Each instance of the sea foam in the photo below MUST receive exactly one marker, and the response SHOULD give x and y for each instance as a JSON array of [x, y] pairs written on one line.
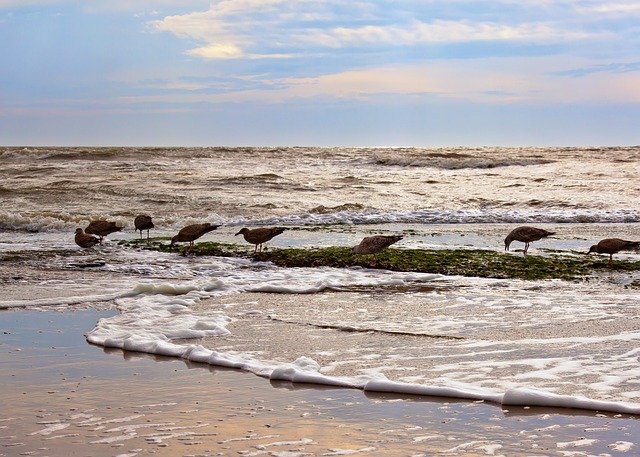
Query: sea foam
[[64, 222], [153, 317]]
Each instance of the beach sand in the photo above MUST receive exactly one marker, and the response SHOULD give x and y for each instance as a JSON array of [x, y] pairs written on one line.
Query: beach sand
[[62, 396]]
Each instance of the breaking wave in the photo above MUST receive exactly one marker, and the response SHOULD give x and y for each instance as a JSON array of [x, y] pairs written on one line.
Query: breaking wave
[[454, 160], [455, 217], [350, 215]]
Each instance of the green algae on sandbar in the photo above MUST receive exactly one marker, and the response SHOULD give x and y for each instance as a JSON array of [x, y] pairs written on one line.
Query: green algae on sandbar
[[463, 262]]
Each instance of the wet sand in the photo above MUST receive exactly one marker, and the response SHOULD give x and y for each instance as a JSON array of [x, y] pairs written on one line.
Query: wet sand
[[62, 396]]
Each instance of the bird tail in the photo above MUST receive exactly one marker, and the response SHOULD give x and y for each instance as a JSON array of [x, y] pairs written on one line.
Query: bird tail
[[211, 228]]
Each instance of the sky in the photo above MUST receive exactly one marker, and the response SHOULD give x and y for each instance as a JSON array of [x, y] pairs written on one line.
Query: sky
[[320, 73]]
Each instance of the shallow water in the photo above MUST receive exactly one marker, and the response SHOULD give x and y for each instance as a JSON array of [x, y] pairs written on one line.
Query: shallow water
[[61, 395], [575, 344]]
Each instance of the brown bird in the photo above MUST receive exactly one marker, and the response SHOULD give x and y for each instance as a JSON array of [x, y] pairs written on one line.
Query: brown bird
[[375, 244], [526, 235], [191, 233], [612, 246], [260, 235], [102, 228], [143, 222], [85, 240]]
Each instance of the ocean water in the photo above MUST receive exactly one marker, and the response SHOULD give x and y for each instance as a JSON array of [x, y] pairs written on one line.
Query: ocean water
[[551, 343]]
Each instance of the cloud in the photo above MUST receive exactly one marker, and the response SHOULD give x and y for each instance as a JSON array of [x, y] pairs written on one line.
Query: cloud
[[440, 31], [111, 5], [610, 8], [229, 51], [278, 51], [233, 29], [617, 67], [217, 51], [492, 81]]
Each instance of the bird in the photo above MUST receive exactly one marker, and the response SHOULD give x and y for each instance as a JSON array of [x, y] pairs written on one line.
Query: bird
[[85, 240], [191, 233], [613, 246], [526, 235], [375, 244], [102, 228], [260, 235], [143, 222]]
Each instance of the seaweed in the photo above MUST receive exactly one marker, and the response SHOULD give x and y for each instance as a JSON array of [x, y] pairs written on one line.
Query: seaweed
[[462, 262]]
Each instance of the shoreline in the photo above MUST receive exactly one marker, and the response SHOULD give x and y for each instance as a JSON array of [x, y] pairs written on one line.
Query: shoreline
[[62, 395]]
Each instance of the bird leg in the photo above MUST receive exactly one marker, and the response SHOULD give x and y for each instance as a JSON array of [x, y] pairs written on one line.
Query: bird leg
[[526, 248], [190, 248], [610, 260]]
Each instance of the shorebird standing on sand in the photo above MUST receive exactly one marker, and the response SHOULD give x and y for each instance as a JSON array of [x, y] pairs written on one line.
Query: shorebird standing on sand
[[260, 235], [526, 235], [191, 233], [85, 240], [613, 246], [143, 222], [102, 228], [375, 244]]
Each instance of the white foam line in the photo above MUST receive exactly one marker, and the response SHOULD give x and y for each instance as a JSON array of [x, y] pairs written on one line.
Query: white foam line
[[582, 442], [387, 386], [301, 441], [306, 370], [53, 428], [621, 446], [65, 301], [530, 397]]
